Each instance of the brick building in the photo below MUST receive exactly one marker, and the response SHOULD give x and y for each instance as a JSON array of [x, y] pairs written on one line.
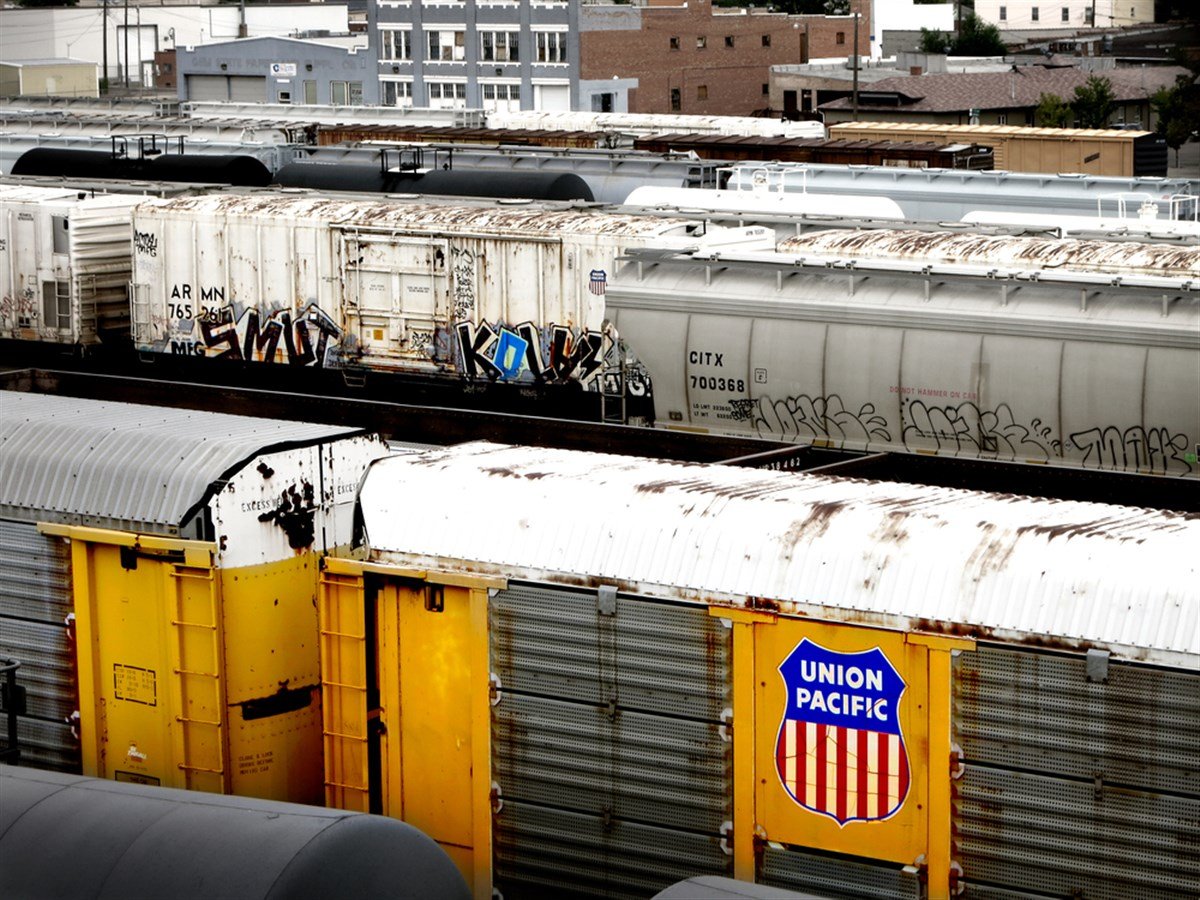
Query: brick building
[[691, 57]]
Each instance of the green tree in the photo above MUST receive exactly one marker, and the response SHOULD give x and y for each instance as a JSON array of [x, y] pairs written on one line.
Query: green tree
[[1178, 111], [1094, 102], [977, 38], [1052, 112], [934, 41]]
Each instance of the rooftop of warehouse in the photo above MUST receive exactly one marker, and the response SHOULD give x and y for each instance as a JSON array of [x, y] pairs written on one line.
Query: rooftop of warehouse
[[1018, 86]]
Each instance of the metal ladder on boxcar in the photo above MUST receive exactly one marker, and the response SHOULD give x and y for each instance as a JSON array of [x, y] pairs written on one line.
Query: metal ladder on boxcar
[[200, 737], [345, 720]]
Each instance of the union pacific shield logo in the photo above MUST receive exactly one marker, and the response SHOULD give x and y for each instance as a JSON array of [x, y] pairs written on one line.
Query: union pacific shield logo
[[840, 752]]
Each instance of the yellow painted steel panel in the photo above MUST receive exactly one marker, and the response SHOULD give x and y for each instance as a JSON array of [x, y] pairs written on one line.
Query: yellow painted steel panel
[[435, 684], [270, 627], [151, 696], [278, 757], [822, 782], [434, 694]]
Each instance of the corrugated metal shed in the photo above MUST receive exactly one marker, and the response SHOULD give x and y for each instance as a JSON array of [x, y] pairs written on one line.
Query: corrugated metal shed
[[1118, 257], [910, 557], [120, 465]]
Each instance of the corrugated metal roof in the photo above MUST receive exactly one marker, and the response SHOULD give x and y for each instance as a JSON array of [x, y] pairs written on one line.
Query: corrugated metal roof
[[494, 217], [125, 466], [1119, 257], [902, 556]]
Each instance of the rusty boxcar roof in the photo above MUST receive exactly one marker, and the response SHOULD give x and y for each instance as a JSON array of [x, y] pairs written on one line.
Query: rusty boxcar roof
[[900, 556], [495, 217], [126, 466], [1117, 257]]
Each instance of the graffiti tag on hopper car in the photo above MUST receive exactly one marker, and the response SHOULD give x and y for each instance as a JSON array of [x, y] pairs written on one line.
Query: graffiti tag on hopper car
[[840, 751]]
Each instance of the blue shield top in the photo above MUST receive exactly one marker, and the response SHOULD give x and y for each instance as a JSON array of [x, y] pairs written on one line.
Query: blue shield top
[[846, 690]]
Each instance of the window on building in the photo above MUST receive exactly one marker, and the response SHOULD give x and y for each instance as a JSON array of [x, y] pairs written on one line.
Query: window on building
[[840, 38], [1089, 15], [447, 93], [675, 101], [447, 45], [1066, 14], [675, 42], [285, 96], [1002, 118], [397, 44], [702, 92], [551, 46], [1004, 14], [1033, 13], [345, 93], [396, 93], [498, 46], [602, 102], [310, 92], [766, 40], [729, 41], [766, 89], [701, 42], [501, 92]]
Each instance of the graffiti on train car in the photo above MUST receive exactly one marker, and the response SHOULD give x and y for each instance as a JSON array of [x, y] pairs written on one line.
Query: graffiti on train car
[[969, 427], [463, 265], [525, 352], [281, 336], [816, 417], [1136, 448], [20, 310]]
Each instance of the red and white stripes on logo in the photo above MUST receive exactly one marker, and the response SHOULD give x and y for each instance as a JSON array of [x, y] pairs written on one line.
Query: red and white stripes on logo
[[847, 773]]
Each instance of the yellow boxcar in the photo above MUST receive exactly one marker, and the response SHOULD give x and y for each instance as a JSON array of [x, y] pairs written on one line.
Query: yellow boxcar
[[188, 574]]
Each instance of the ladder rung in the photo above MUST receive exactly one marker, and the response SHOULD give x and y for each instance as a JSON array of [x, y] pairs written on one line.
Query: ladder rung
[[346, 787], [344, 634], [176, 573], [344, 735], [187, 721], [188, 768], [200, 674], [347, 686], [182, 624]]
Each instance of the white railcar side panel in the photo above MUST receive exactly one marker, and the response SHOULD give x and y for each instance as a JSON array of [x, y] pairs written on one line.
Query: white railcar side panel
[[1102, 378]]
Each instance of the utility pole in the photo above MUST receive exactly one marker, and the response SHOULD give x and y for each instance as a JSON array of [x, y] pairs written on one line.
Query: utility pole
[[104, 64], [855, 101], [126, 46]]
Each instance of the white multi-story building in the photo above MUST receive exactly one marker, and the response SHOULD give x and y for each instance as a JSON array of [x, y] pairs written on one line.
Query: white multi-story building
[[1052, 14]]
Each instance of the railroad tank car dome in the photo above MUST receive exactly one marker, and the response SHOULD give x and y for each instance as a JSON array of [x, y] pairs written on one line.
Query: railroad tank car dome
[[71, 163], [1117, 257], [333, 177], [85, 837], [239, 171], [453, 183]]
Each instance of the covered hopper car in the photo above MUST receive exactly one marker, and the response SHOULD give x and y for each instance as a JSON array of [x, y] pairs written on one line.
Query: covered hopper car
[[1084, 353]]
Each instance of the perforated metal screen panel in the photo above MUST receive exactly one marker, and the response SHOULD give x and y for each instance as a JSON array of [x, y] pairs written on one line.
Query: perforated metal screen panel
[[837, 877], [35, 598], [1076, 784], [608, 743]]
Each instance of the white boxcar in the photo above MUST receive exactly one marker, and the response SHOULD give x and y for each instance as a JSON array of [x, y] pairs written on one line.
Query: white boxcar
[[64, 265], [1082, 353], [507, 292]]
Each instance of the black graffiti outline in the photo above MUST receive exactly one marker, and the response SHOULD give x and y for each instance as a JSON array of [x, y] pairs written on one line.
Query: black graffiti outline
[[811, 416], [968, 427], [1138, 448], [299, 350]]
